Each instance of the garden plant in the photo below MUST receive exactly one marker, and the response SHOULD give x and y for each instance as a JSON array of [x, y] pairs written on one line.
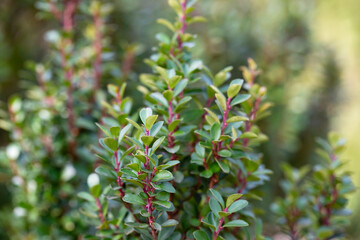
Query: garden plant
[[186, 164]]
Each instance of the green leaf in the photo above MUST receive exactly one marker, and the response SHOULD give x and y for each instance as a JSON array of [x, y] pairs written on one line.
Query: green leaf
[[166, 23], [173, 149], [195, 65], [168, 95], [164, 196], [134, 166], [163, 38], [239, 99], [123, 132], [105, 171], [224, 166], [221, 76], [104, 130], [200, 235], [128, 172], [236, 223], [111, 143], [197, 19], [173, 81], [214, 206], [163, 73], [174, 124], [203, 134], [157, 144], [324, 232], [156, 128], [133, 181], [144, 114], [163, 175], [221, 99], [248, 135], [233, 90], [165, 204], [237, 119], [180, 87], [174, 4], [145, 213], [206, 173], [169, 164], [147, 140], [209, 119], [160, 99], [133, 199], [157, 226], [127, 152], [115, 131], [200, 150], [150, 120], [181, 103], [96, 190], [113, 89], [217, 196], [137, 225], [209, 221], [86, 196], [224, 214], [134, 124], [237, 205], [165, 186], [215, 131], [170, 223], [224, 153], [213, 115], [232, 198]]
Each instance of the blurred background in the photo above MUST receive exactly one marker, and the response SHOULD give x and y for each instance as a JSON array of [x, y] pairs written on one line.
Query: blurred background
[[308, 50]]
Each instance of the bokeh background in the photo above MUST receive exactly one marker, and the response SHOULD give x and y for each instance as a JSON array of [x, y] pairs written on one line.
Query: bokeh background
[[308, 50]]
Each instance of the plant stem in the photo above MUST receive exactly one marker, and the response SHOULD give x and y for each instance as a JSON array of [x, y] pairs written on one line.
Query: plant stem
[[121, 187], [149, 188], [217, 147], [325, 220], [220, 227], [101, 215], [226, 112], [170, 136]]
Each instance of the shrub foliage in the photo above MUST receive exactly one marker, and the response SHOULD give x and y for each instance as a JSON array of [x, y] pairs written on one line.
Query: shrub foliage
[[183, 166]]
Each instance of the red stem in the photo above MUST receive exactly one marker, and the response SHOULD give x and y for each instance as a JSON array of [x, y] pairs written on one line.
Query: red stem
[[149, 188], [101, 215], [220, 227], [226, 112], [218, 146], [325, 220], [121, 186]]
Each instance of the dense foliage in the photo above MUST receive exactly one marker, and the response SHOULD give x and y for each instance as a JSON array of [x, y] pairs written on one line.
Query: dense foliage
[[52, 128], [316, 197], [183, 166]]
